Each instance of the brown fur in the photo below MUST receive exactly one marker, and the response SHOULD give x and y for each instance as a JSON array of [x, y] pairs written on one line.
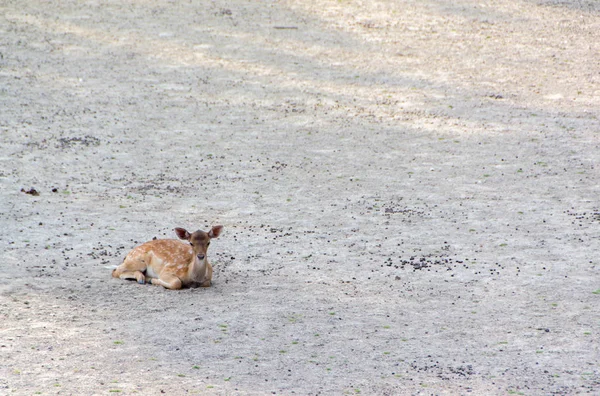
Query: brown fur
[[171, 263]]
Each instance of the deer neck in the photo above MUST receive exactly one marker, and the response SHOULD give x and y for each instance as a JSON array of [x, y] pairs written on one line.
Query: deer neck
[[197, 269]]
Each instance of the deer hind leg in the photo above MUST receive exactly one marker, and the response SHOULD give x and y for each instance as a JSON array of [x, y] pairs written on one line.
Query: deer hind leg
[[133, 275], [168, 281], [131, 269]]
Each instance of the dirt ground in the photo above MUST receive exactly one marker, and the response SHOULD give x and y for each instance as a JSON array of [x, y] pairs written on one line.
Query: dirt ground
[[409, 191]]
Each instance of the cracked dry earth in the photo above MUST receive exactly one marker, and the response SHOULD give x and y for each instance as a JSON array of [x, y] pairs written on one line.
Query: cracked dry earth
[[409, 191]]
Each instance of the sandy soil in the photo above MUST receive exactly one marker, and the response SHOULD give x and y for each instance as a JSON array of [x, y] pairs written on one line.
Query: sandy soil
[[409, 191]]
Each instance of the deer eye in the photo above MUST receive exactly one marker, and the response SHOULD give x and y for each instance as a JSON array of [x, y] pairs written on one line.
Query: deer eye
[[191, 244], [208, 244]]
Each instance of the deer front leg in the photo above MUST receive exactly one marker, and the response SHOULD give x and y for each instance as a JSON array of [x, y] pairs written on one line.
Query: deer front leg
[[209, 271], [168, 281], [205, 283]]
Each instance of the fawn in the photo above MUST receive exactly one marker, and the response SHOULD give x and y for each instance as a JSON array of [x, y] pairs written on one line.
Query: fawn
[[171, 263]]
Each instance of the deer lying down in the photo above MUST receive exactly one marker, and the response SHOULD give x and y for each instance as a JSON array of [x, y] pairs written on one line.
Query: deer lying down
[[171, 263]]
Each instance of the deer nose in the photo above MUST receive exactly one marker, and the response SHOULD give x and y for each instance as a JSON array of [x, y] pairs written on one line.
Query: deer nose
[[201, 256]]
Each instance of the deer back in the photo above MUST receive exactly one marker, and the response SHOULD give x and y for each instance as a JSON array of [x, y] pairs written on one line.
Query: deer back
[[168, 255]]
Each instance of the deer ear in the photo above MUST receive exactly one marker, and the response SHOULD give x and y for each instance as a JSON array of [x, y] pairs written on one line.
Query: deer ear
[[215, 231], [182, 234]]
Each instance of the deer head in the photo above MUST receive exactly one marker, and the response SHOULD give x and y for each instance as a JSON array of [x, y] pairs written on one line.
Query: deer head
[[199, 240]]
